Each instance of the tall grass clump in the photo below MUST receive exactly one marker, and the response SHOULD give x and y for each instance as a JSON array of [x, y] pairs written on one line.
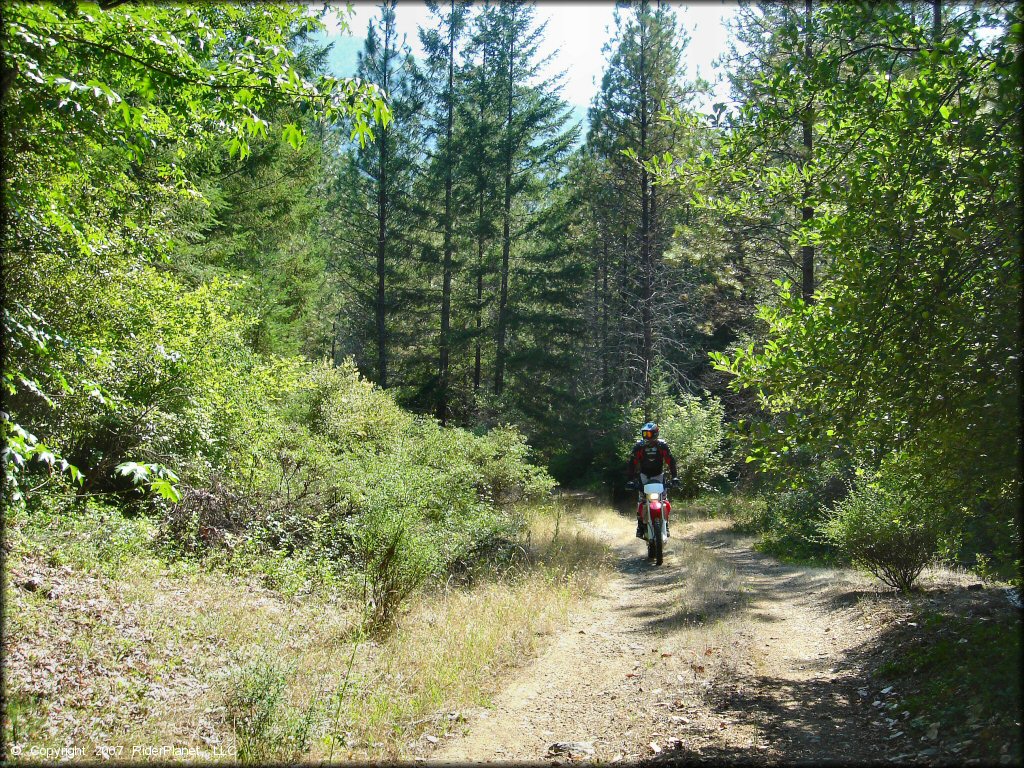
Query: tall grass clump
[[456, 646], [266, 728]]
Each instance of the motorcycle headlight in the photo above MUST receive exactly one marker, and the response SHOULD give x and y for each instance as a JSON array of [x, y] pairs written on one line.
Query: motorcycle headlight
[[654, 496]]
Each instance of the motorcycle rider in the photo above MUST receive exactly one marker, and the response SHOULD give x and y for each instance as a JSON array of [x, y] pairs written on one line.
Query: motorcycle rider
[[649, 457]]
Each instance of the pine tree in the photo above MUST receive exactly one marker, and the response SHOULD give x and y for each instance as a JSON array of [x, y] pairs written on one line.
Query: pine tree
[[643, 75], [533, 136], [480, 152], [393, 158], [441, 48], [372, 203]]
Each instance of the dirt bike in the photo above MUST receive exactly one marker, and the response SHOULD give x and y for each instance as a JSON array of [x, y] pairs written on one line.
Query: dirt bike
[[655, 513]]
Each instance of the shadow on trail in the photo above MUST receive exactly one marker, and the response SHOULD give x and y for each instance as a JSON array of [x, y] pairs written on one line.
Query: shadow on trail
[[817, 718], [810, 721], [664, 599], [840, 708]]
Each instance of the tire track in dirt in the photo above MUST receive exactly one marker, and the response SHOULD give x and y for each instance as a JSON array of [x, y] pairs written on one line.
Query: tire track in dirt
[[721, 654]]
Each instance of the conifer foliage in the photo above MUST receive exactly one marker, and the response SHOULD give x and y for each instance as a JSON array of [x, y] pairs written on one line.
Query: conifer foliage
[[211, 246]]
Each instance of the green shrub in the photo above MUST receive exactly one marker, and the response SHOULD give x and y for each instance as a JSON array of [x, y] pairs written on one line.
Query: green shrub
[[748, 512], [395, 557], [695, 431], [886, 526], [87, 534], [353, 414], [266, 729], [501, 459], [282, 462], [340, 473], [789, 515], [791, 522]]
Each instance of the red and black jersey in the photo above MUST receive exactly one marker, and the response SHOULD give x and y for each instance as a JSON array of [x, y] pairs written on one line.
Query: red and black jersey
[[650, 459]]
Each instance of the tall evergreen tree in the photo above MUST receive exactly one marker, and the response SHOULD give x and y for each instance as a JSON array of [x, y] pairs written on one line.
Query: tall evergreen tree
[[441, 48], [391, 68], [533, 136], [643, 74], [479, 117], [372, 204]]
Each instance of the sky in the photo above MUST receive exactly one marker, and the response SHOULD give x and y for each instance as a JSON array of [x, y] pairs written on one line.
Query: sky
[[576, 33]]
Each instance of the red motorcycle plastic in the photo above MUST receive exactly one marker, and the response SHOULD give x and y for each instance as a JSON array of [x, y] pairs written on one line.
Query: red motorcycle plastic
[[654, 511]]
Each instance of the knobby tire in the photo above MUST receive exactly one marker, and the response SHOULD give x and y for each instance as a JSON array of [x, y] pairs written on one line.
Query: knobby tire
[[659, 542]]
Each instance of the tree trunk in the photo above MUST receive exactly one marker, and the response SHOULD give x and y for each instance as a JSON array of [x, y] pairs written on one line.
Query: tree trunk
[[936, 20], [446, 283], [647, 310], [382, 205], [382, 227], [477, 367], [604, 319], [506, 245], [479, 315], [807, 212], [624, 380]]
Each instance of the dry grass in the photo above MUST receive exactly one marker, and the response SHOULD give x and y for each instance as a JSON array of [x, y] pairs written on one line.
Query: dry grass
[[151, 654], [706, 629], [456, 647], [452, 652], [567, 540]]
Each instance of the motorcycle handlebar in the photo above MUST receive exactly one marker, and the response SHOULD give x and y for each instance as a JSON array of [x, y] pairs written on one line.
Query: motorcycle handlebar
[[632, 485]]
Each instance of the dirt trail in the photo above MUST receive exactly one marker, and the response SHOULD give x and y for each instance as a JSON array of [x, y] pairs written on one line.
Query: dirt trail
[[720, 654]]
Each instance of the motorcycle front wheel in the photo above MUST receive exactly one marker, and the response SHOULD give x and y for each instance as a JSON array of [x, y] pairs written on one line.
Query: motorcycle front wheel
[[658, 545]]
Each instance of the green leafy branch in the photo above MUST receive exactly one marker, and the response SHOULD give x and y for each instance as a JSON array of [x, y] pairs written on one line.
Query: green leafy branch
[[160, 479]]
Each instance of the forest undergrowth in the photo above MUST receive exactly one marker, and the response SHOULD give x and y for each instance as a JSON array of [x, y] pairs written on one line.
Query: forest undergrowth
[[293, 359], [109, 643]]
